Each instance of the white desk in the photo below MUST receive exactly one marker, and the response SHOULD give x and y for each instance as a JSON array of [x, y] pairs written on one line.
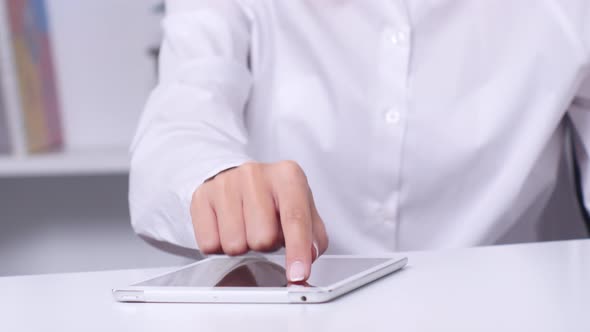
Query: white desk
[[537, 287]]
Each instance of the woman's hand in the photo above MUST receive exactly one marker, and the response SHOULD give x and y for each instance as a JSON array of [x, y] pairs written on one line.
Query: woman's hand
[[260, 207]]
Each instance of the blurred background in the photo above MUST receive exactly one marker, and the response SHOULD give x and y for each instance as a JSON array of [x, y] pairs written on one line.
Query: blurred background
[[74, 78], [63, 203]]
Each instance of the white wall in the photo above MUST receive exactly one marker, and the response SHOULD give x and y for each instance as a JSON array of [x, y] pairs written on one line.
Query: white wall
[[60, 224], [104, 70]]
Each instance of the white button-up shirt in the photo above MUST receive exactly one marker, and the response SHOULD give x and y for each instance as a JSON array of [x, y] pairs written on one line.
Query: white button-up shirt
[[420, 124]]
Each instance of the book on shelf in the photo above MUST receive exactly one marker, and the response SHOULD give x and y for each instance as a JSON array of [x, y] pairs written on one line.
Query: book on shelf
[[5, 141], [28, 83], [12, 136]]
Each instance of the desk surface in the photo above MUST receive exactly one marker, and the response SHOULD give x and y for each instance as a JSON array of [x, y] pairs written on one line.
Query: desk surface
[[534, 287]]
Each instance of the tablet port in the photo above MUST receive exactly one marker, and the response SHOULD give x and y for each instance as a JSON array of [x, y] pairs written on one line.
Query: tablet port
[[303, 298]]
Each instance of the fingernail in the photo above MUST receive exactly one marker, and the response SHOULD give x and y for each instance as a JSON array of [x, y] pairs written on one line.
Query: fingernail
[[296, 271]]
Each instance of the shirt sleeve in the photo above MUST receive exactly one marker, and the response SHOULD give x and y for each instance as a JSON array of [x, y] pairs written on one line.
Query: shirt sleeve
[[192, 126], [579, 113], [574, 18]]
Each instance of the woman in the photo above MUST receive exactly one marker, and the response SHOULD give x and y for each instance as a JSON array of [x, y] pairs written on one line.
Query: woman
[[418, 124]]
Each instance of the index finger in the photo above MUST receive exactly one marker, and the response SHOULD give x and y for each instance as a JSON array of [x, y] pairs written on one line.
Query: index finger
[[296, 222]]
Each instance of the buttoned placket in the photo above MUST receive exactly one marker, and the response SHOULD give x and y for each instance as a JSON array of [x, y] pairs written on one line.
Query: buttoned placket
[[391, 120]]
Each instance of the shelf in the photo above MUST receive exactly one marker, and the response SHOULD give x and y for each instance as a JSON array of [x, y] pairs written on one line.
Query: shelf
[[66, 163]]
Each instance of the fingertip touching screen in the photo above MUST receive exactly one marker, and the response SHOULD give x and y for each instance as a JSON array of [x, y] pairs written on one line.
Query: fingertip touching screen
[[259, 271]]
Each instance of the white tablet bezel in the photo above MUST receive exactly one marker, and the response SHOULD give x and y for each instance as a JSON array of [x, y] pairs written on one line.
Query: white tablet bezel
[[290, 294]]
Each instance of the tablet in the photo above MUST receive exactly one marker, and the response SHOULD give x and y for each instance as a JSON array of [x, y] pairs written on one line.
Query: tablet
[[259, 279]]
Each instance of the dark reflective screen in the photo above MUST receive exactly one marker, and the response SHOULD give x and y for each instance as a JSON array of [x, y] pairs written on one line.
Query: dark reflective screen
[[258, 271]]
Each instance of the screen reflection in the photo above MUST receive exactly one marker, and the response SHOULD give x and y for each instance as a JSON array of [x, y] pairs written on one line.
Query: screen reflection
[[255, 272], [259, 271]]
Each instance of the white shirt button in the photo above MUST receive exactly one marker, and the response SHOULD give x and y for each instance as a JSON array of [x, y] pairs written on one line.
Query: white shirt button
[[398, 37], [392, 116]]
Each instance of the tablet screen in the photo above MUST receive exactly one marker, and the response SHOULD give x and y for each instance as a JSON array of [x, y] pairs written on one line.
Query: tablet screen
[[259, 271]]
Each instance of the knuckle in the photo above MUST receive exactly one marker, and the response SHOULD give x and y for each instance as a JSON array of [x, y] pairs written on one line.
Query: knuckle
[[219, 182], [199, 196], [251, 169], [291, 168], [263, 242], [224, 187], [225, 177], [235, 248], [251, 173], [209, 246]]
